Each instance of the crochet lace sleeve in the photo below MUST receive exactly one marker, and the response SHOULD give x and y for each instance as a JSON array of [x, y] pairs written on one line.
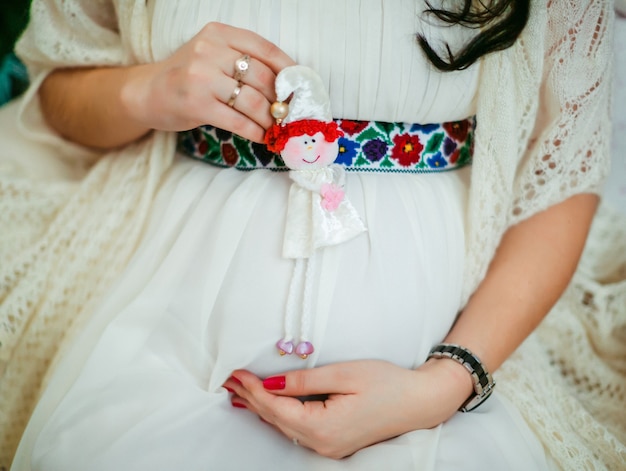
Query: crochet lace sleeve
[[74, 33], [569, 151], [70, 33]]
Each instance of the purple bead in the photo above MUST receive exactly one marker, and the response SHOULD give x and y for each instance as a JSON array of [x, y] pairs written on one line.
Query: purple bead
[[304, 349], [285, 347]]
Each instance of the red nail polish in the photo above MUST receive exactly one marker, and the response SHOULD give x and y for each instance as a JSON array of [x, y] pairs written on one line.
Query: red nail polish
[[274, 383], [230, 390], [236, 380], [238, 405]]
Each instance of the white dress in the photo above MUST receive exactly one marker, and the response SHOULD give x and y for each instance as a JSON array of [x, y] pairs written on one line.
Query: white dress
[[205, 294]]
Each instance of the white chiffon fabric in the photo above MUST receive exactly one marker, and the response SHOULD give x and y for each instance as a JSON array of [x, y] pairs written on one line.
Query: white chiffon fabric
[[140, 388]]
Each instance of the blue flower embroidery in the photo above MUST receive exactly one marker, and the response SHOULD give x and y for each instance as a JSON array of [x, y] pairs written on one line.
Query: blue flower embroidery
[[425, 128], [347, 151], [436, 161]]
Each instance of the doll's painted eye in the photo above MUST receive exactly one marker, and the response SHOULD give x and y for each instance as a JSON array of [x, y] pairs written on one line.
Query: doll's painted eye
[[313, 141]]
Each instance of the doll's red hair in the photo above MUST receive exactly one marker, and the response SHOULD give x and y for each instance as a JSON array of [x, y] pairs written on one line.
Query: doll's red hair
[[277, 136]]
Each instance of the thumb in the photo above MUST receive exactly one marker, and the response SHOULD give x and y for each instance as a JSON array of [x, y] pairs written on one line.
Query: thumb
[[330, 379]]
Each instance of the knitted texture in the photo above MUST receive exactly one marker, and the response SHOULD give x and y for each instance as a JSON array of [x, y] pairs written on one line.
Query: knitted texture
[[569, 378], [58, 266], [540, 139], [63, 243], [548, 119]]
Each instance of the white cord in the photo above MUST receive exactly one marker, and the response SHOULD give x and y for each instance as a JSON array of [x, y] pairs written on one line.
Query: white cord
[[285, 345], [305, 322]]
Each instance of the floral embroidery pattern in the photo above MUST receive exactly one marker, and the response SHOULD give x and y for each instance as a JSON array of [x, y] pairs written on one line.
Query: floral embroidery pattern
[[437, 161], [407, 150], [375, 150], [371, 146], [260, 152], [353, 127], [230, 154], [458, 130], [347, 151]]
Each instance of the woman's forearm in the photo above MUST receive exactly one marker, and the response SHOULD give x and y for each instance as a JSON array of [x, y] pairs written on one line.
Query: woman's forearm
[[111, 107], [532, 267], [89, 106]]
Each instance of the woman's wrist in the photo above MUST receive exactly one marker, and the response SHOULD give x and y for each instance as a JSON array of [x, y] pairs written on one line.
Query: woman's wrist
[[453, 376], [135, 97], [482, 380], [449, 385]]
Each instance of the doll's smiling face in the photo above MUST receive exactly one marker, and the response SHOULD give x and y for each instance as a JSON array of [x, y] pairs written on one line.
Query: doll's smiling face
[[309, 152]]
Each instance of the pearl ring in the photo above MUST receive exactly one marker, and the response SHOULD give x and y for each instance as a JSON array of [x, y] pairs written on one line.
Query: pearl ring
[[241, 67]]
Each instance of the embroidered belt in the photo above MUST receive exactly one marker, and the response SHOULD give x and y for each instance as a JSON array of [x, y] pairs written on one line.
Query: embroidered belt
[[373, 146]]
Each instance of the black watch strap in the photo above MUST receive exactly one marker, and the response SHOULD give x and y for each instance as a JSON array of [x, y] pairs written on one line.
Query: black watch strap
[[483, 382]]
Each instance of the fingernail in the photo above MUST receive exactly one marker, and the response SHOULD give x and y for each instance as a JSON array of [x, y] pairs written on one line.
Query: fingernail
[[238, 405], [230, 390], [236, 380], [274, 383]]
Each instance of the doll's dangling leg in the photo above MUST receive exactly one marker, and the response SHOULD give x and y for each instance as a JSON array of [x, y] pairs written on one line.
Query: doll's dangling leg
[[304, 347], [285, 345]]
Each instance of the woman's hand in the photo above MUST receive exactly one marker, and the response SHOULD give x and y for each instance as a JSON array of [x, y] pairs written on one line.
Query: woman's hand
[[190, 88], [193, 86], [366, 401]]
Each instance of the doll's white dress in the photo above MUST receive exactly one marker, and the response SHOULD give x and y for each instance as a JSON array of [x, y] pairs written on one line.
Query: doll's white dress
[[141, 387]]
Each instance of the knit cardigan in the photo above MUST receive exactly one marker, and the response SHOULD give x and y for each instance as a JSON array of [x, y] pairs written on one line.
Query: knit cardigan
[[72, 217]]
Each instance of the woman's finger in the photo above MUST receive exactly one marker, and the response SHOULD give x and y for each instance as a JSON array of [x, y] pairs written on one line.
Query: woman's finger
[[248, 42], [251, 388], [258, 75], [225, 117], [304, 421], [253, 104], [324, 380]]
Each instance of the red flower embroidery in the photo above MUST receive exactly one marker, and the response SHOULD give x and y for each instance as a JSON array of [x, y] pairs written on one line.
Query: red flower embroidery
[[230, 154], [457, 130], [407, 149], [455, 156], [203, 147], [353, 127]]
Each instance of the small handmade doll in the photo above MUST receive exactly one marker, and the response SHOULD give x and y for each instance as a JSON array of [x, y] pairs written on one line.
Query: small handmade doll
[[318, 213]]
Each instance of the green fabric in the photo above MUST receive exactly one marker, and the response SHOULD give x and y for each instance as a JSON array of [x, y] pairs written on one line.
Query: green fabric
[[13, 78], [13, 19]]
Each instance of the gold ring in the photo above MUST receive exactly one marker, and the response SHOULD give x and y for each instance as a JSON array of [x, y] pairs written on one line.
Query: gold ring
[[241, 67], [234, 95]]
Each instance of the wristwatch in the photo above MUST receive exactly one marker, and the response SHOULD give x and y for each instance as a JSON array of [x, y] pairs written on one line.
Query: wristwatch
[[483, 382]]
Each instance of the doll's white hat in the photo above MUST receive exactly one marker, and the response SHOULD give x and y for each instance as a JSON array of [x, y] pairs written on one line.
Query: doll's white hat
[[310, 99]]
